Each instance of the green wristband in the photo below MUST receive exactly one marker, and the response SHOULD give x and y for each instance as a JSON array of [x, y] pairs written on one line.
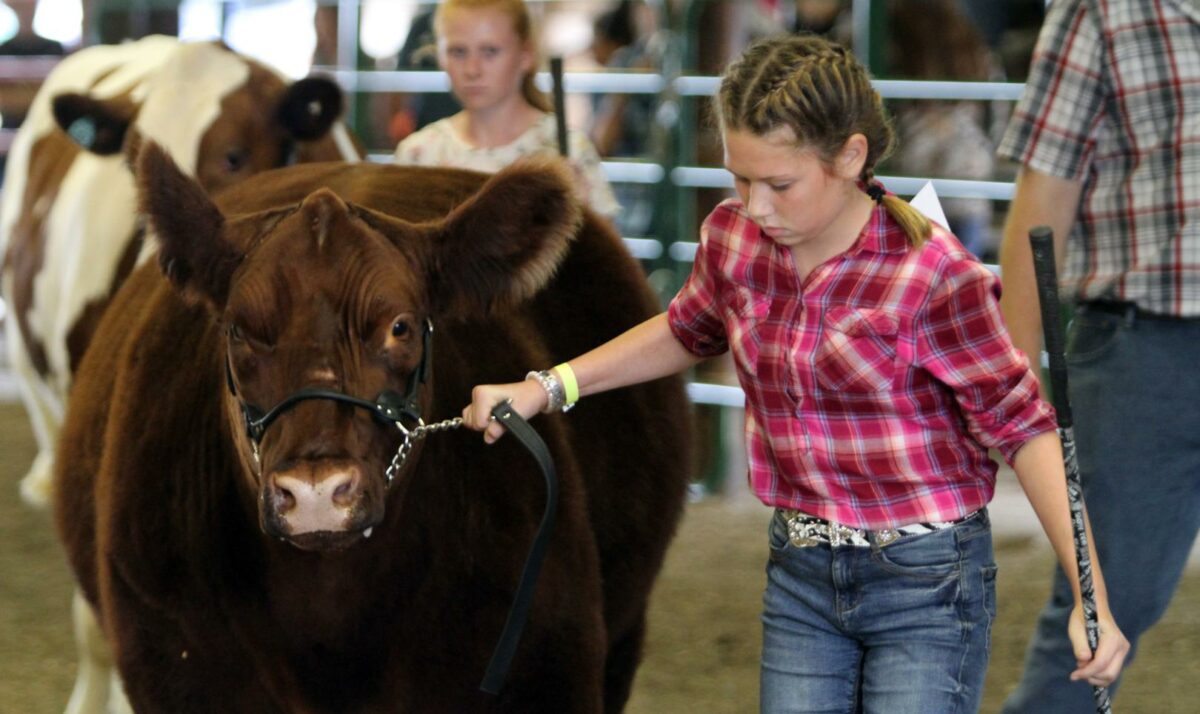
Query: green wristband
[[570, 384]]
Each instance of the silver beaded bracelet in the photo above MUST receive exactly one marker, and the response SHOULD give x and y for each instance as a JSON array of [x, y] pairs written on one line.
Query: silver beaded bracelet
[[556, 394]]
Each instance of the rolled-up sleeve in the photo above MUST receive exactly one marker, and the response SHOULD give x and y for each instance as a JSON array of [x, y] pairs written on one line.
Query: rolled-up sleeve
[[694, 314], [963, 343]]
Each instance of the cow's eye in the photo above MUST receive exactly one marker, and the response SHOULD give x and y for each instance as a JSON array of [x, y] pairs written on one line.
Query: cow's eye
[[236, 159], [399, 328], [235, 334]]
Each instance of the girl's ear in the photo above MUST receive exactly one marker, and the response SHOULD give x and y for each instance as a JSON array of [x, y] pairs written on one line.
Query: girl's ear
[[852, 157]]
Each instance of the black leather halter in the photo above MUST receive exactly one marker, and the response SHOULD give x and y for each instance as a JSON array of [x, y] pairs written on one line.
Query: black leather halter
[[389, 407], [393, 409]]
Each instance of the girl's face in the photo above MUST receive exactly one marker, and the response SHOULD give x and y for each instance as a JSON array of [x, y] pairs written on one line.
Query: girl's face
[[480, 49], [796, 198]]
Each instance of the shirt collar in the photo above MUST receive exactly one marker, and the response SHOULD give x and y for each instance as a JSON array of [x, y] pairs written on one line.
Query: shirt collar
[[880, 235]]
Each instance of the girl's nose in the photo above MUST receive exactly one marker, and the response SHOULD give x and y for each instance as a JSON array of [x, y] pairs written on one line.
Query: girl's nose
[[758, 202]]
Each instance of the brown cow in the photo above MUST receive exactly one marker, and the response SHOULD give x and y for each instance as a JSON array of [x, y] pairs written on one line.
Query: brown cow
[[68, 226], [292, 575]]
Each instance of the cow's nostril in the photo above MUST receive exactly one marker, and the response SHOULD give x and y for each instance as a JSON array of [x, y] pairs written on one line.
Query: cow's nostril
[[283, 500], [346, 491]]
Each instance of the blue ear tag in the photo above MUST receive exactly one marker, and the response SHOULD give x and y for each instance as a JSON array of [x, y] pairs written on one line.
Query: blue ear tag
[[83, 132]]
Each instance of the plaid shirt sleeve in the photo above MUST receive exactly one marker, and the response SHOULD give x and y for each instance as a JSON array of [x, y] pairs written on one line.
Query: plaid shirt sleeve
[[962, 342], [694, 314], [1053, 123]]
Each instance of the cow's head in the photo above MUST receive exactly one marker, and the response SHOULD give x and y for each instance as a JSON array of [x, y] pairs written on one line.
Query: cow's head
[[221, 116], [328, 295]]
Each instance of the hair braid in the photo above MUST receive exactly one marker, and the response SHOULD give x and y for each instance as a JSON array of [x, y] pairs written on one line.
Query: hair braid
[[824, 95]]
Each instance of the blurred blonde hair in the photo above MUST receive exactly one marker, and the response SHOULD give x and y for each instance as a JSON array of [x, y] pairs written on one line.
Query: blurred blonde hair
[[819, 90], [519, 14]]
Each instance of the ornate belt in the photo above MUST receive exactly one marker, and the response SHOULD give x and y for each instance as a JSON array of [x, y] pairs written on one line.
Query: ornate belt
[[805, 530]]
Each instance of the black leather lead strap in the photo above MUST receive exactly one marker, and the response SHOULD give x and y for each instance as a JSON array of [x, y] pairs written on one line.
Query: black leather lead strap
[[518, 613]]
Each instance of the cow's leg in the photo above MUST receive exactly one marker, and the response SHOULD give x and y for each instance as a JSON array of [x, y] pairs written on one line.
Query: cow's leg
[[91, 692], [163, 671], [621, 665], [45, 416], [118, 703], [563, 672]]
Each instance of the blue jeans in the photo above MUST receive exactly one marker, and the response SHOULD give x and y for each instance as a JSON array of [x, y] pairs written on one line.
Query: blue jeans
[[901, 629], [1135, 395]]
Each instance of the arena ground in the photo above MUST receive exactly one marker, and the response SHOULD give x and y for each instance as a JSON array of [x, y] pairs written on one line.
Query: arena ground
[[702, 651]]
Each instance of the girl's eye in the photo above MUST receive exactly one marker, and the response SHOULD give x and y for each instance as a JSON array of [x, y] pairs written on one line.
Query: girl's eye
[[780, 187], [490, 52], [399, 328]]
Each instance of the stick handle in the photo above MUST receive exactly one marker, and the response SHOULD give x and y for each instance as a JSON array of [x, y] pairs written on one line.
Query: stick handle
[[1041, 240]]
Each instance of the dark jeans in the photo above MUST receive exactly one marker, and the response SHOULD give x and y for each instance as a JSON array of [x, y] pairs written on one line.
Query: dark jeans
[[899, 629]]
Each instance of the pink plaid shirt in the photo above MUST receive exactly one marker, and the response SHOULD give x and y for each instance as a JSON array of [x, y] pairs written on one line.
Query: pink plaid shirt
[[875, 387]]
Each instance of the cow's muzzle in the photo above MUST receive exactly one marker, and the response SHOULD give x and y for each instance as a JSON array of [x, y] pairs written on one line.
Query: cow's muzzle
[[318, 496]]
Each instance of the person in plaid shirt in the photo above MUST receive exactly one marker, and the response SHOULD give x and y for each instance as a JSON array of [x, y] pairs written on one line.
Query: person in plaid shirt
[[877, 374], [1107, 133]]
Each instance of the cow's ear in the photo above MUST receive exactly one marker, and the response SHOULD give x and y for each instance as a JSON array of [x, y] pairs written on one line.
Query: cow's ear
[[97, 125], [309, 107], [192, 249], [504, 243]]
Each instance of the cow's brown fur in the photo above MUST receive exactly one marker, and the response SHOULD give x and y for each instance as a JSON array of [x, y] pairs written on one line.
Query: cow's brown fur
[[158, 503]]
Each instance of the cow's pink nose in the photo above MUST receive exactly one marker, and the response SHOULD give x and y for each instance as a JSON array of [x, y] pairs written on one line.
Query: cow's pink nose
[[310, 504]]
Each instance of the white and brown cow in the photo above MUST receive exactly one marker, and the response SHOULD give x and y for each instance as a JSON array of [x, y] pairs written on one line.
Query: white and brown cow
[[69, 232], [279, 564]]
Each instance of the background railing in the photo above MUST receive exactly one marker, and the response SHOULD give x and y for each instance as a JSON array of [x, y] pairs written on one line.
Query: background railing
[[670, 168]]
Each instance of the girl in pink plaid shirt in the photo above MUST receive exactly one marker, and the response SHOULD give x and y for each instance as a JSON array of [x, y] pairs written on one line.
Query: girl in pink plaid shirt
[[877, 374]]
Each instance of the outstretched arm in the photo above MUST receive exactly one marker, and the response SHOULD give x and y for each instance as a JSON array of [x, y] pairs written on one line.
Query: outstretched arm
[[645, 352]]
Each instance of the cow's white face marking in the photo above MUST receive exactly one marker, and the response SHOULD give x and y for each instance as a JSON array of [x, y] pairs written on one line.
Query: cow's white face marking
[[184, 99]]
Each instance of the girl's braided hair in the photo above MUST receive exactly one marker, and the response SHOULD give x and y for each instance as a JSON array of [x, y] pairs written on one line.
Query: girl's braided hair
[[819, 90]]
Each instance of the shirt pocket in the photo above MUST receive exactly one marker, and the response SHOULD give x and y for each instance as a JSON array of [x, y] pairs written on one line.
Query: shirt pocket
[[857, 351], [746, 323]]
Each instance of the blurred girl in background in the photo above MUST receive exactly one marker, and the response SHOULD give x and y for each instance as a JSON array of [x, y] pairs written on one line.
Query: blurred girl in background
[[488, 49]]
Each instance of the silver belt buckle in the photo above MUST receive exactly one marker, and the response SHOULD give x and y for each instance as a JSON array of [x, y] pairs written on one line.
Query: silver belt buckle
[[887, 536], [798, 533], [839, 534]]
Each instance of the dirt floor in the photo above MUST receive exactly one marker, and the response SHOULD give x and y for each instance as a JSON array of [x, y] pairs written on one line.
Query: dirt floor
[[702, 652]]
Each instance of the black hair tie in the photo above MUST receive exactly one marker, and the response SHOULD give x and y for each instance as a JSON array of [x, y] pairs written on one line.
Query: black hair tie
[[876, 192]]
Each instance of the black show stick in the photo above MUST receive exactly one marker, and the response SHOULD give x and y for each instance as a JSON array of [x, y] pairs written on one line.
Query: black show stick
[[1041, 239]]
